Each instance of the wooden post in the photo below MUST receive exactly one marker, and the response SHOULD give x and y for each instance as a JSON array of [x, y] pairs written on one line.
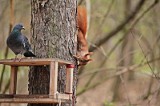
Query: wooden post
[[13, 80], [69, 78], [53, 79]]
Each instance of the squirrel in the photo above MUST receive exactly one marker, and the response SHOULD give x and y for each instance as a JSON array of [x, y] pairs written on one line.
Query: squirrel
[[83, 55]]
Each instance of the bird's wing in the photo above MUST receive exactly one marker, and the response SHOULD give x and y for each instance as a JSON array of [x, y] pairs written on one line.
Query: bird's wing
[[28, 50], [26, 44]]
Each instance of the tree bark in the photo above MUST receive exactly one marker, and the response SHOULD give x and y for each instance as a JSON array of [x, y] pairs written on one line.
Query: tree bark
[[53, 30]]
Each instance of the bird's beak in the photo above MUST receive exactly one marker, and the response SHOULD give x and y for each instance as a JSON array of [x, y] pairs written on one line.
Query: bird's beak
[[23, 28]]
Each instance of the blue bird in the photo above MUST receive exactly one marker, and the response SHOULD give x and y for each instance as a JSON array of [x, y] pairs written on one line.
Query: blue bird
[[18, 43]]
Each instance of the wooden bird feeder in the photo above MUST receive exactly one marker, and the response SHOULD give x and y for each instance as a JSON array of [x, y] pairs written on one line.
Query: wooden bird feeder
[[54, 96]]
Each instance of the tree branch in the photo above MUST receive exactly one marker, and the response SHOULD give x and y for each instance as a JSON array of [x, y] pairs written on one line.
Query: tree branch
[[10, 28], [119, 27], [124, 70]]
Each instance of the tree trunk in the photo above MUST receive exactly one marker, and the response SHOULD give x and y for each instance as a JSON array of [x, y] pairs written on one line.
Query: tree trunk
[[53, 29]]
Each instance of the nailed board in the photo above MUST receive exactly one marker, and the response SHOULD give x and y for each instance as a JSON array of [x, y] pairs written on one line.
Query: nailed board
[[32, 62], [34, 98]]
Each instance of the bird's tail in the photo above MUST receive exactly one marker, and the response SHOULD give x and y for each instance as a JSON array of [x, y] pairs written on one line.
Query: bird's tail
[[29, 54]]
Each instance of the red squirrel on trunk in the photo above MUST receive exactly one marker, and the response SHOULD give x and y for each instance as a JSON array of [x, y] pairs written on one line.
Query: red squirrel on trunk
[[83, 55]]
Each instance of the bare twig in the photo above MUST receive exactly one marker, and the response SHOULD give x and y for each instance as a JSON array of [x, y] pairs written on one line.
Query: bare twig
[[6, 87], [144, 55], [119, 27], [125, 88], [146, 11], [124, 70], [98, 32], [119, 68], [106, 58], [80, 2], [94, 74], [150, 7], [4, 9], [10, 28]]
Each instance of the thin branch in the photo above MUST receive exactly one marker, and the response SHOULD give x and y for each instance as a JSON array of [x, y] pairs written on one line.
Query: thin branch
[[98, 48], [125, 88], [124, 70], [80, 2], [106, 57], [118, 68], [145, 12], [10, 28], [119, 27], [98, 32], [150, 7], [4, 9], [115, 46], [93, 75], [144, 54], [6, 87]]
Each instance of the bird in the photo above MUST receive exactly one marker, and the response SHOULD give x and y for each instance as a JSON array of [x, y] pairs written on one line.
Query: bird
[[18, 43]]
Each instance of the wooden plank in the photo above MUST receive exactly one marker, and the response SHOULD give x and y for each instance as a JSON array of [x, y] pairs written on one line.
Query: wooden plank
[[69, 79], [32, 100], [64, 96], [36, 98], [6, 96], [31, 96], [13, 80], [59, 96], [32, 61], [53, 79], [23, 96]]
